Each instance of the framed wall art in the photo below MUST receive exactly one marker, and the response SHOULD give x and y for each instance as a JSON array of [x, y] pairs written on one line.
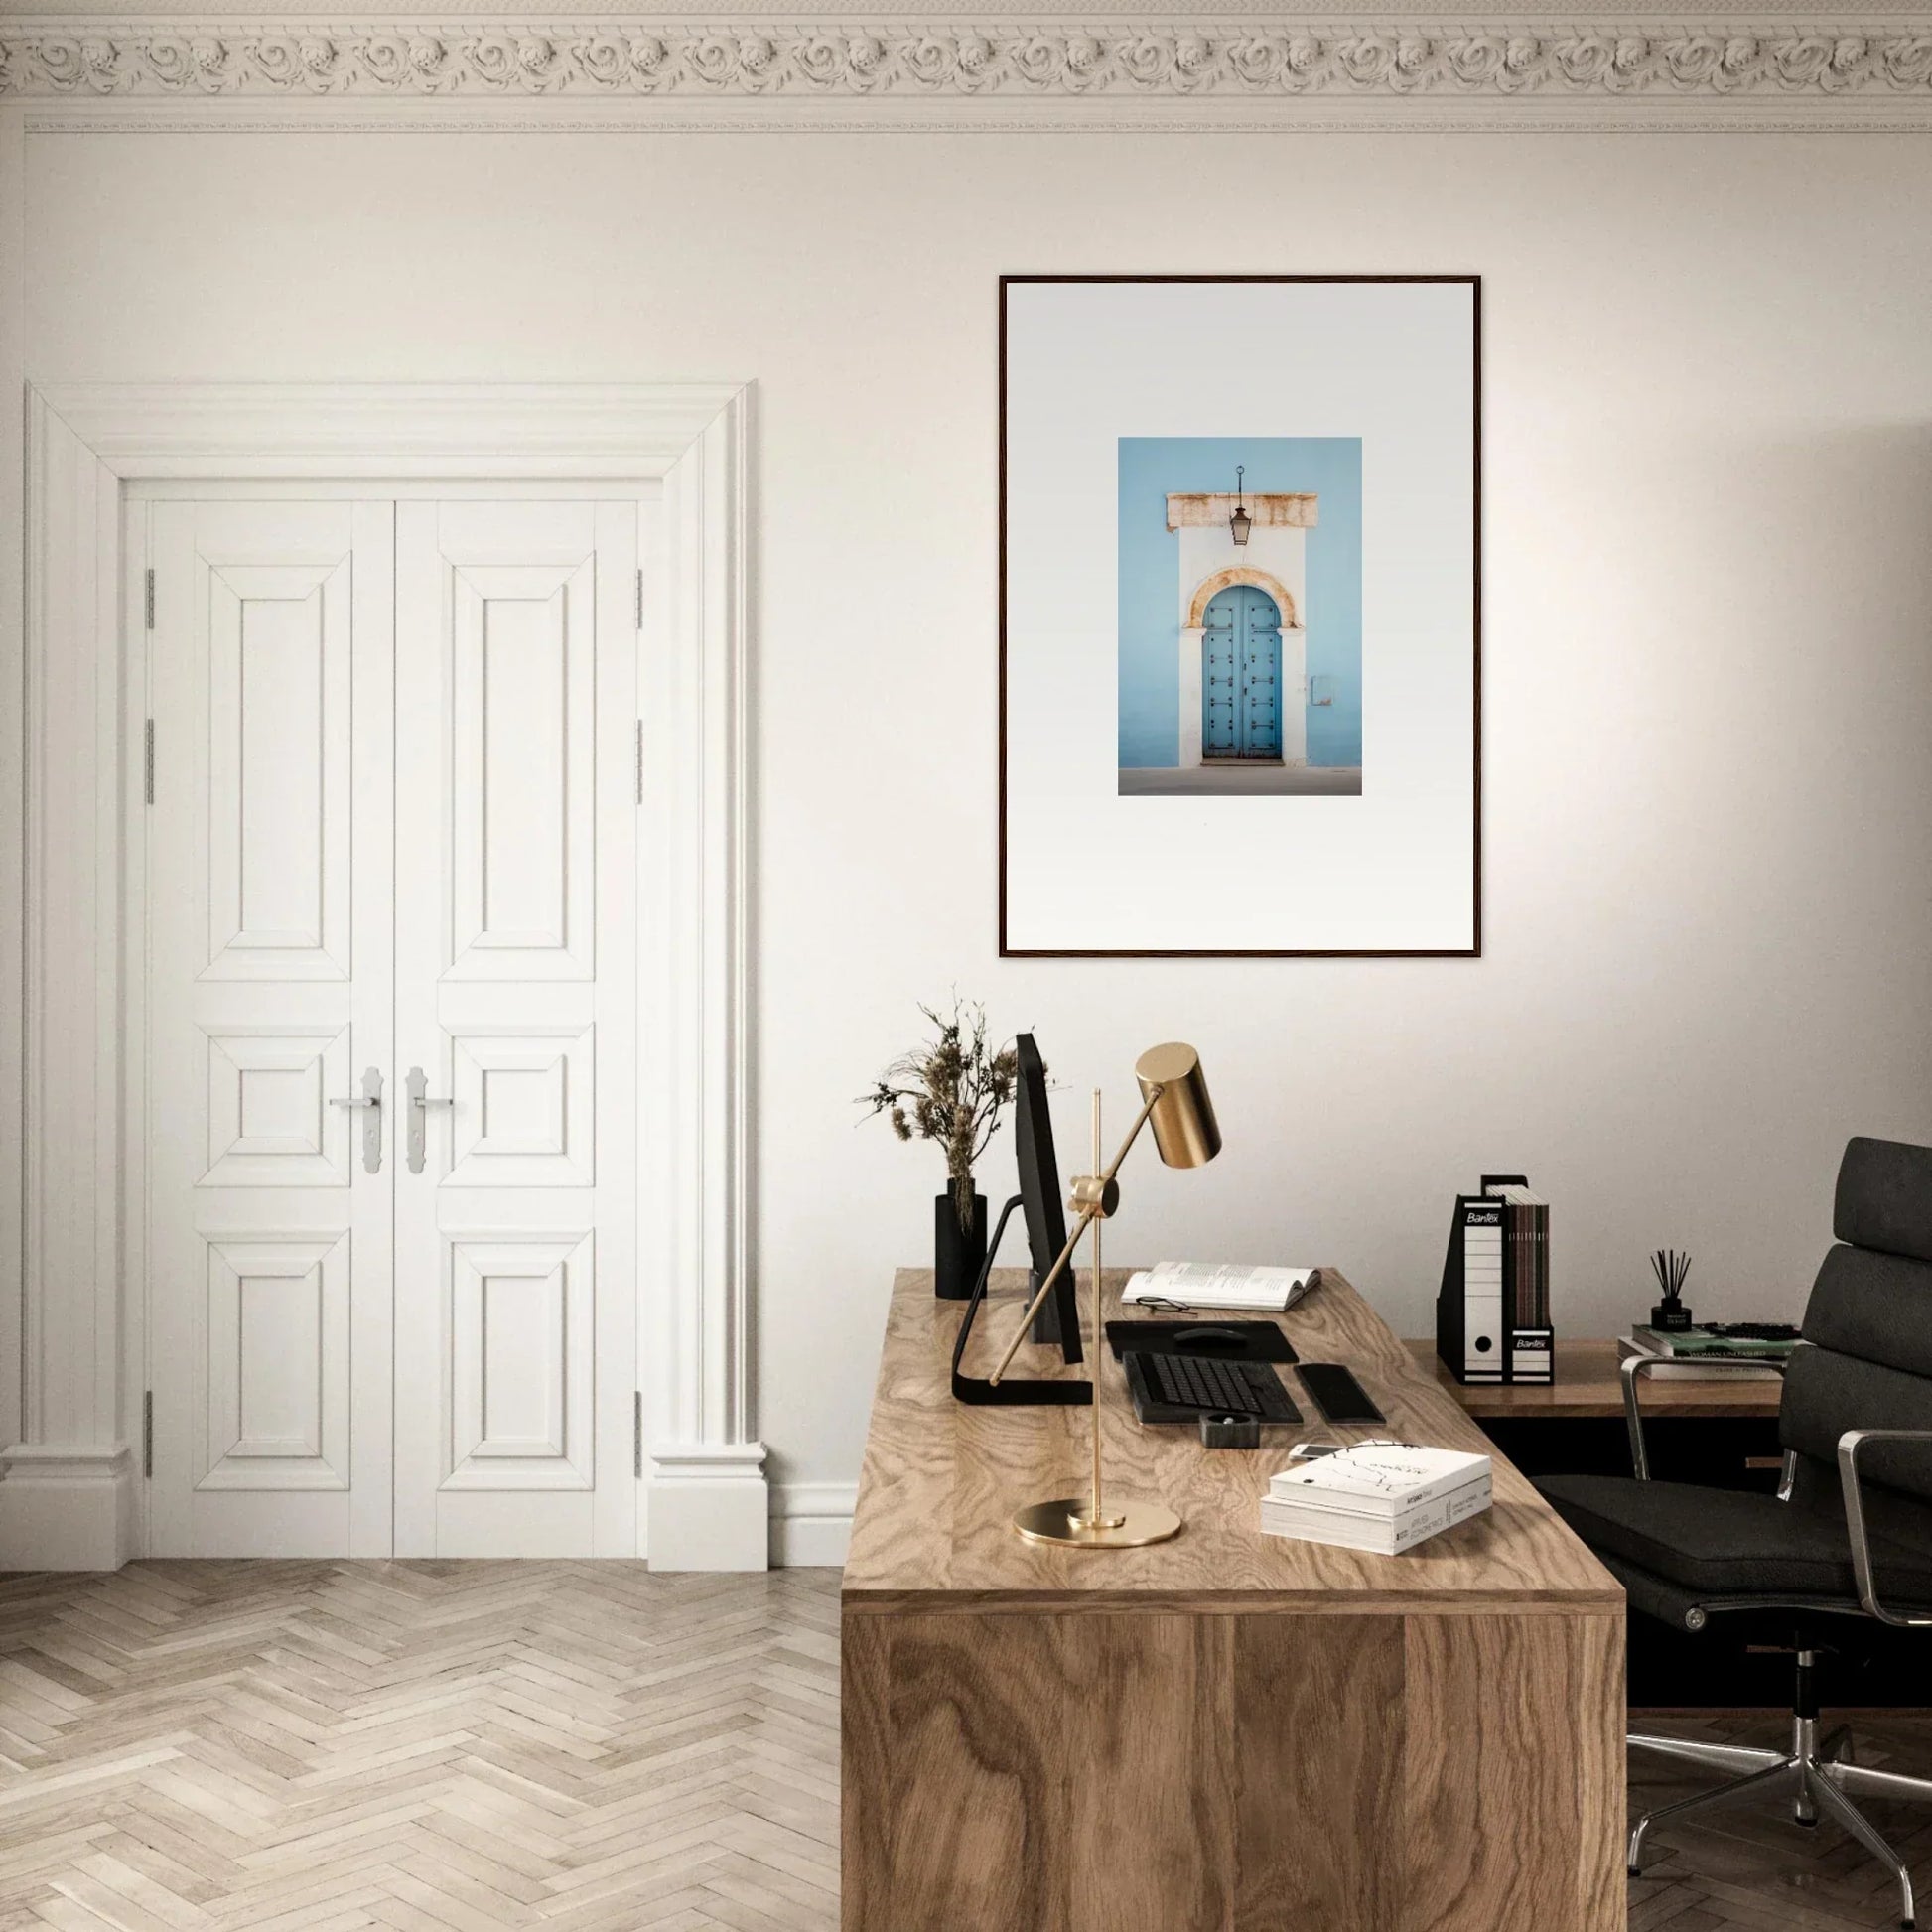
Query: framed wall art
[[1239, 614]]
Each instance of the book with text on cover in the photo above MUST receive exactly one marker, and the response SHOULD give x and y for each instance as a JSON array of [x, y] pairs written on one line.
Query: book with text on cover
[[1377, 1496]]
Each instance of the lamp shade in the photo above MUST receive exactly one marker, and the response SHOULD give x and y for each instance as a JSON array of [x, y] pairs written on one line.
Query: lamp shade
[[1185, 1128], [1239, 524]]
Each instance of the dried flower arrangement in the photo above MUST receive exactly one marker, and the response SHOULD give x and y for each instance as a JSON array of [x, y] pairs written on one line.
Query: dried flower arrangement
[[951, 1090]]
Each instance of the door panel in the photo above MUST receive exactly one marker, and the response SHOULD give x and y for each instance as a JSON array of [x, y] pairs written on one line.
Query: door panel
[[515, 979], [279, 1372], [1241, 675], [269, 993], [279, 759], [1261, 677], [524, 697], [522, 1352], [1221, 678]]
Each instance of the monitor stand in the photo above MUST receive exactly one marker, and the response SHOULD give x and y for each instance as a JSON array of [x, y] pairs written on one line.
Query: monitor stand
[[1049, 1324], [1012, 1391]]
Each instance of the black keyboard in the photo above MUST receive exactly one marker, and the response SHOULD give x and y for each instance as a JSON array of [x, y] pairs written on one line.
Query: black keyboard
[[1203, 1386]]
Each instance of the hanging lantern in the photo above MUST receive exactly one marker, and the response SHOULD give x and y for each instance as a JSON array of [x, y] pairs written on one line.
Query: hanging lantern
[[1240, 523]]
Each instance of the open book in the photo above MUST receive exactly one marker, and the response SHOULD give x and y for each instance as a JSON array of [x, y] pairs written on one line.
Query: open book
[[1215, 1285]]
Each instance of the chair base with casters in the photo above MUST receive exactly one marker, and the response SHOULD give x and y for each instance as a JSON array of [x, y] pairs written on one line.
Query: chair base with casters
[[1818, 1774]]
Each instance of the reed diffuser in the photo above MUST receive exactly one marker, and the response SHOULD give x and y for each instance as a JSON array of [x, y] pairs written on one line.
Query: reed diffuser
[[1670, 1267]]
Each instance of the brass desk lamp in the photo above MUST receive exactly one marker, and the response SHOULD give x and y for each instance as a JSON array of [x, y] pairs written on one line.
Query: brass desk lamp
[[1175, 1100]]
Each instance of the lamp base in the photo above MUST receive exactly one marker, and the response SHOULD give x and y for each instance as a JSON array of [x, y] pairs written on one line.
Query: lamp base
[[1130, 1526]]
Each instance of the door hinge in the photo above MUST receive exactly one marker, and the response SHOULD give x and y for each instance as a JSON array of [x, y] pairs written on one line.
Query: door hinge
[[637, 1434], [640, 760], [150, 600], [147, 761], [147, 1433], [640, 600]]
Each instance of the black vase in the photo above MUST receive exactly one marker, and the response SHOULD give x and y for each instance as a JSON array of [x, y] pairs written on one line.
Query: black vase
[[957, 1255]]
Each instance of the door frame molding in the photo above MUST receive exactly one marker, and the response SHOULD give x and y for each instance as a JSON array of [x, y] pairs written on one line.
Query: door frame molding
[[72, 1422]]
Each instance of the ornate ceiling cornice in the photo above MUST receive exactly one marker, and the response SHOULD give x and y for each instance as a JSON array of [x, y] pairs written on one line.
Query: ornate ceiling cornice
[[1797, 72]]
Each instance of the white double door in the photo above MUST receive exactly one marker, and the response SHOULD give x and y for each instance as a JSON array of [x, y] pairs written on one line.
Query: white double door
[[390, 1106]]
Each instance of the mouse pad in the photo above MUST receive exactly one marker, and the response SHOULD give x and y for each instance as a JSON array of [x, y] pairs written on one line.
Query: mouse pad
[[1222, 1342]]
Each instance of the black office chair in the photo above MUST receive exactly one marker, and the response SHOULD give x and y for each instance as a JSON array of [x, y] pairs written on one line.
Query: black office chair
[[1846, 1540]]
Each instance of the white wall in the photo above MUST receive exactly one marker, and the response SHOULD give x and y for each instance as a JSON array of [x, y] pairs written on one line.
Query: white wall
[[1708, 907]]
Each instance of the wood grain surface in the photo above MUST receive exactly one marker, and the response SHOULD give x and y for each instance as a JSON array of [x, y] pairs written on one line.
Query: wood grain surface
[[1587, 1385], [1514, 1772], [1227, 1733], [1320, 1721], [941, 1481], [1142, 1771]]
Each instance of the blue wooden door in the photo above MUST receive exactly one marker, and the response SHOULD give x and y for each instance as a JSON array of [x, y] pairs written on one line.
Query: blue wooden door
[[1241, 675]]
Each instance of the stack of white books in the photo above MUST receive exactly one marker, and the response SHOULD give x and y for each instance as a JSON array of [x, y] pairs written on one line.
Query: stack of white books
[[1381, 1496], [1217, 1285]]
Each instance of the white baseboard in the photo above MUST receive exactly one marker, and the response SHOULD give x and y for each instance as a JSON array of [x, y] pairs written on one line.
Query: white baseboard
[[811, 1524], [66, 1507], [709, 1507]]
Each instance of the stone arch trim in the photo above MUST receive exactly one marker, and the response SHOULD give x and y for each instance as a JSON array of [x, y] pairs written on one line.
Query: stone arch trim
[[1210, 587]]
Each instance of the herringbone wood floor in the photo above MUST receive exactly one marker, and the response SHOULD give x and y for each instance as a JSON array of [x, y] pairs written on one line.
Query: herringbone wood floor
[[315, 1746], [457, 1748]]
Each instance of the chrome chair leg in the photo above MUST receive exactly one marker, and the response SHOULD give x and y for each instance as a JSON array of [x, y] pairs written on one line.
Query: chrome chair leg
[[1837, 1746], [1759, 1784], [1871, 1783], [1844, 1813], [1715, 1758]]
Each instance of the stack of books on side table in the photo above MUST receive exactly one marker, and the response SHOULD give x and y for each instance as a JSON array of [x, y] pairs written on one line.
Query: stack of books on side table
[[1685, 1353], [1381, 1496]]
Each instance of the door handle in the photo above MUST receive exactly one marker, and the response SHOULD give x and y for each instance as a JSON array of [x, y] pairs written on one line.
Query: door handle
[[420, 1102], [371, 1098]]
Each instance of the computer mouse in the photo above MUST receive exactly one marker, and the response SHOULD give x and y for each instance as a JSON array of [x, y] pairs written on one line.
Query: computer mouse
[[1208, 1337]]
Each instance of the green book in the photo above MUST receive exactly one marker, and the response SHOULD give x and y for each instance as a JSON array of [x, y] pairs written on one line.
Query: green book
[[1700, 1341]]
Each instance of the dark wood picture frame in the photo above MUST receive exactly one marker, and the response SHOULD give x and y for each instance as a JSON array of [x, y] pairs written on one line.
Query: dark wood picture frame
[[1474, 949]]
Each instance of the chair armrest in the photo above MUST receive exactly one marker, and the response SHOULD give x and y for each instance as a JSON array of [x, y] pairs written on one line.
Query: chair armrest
[[1848, 1445], [1634, 1367]]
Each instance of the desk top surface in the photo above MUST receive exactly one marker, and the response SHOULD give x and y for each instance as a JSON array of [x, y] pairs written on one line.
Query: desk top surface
[[942, 1480], [1587, 1385]]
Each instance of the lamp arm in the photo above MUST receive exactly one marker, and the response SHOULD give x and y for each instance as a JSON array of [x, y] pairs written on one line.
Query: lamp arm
[[1088, 1215], [1052, 1275], [1133, 1133]]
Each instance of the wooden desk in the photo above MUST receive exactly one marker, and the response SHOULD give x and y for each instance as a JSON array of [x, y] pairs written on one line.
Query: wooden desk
[[1587, 1386], [1227, 1733]]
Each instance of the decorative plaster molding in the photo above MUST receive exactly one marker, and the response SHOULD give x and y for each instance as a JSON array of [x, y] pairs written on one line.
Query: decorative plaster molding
[[1821, 63], [1267, 510]]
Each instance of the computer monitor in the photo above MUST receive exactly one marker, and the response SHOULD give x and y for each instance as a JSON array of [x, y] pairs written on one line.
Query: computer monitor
[[1039, 1198]]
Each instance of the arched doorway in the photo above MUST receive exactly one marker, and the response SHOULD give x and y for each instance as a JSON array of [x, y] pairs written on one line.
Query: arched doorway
[[1241, 674]]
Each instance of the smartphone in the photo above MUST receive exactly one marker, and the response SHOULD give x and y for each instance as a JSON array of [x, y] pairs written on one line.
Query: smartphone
[[1336, 1393]]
